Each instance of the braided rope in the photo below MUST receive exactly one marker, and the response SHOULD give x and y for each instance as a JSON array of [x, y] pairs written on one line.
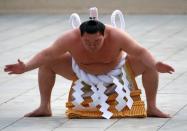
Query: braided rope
[[95, 79]]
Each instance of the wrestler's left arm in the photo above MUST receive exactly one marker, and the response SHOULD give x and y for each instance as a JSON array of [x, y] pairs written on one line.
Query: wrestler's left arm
[[132, 47]]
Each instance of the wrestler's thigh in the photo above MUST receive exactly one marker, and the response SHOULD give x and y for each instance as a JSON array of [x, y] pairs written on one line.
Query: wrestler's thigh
[[63, 66], [137, 66]]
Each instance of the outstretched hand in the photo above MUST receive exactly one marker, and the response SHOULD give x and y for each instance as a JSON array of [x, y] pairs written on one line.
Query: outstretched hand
[[164, 68], [17, 68]]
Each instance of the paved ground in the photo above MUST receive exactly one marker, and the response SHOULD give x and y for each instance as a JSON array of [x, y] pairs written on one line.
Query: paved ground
[[22, 36]]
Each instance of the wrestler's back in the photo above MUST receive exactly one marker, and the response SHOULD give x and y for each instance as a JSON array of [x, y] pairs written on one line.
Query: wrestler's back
[[99, 62]]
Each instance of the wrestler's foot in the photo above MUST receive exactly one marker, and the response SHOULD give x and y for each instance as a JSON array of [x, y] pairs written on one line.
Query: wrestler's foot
[[155, 112], [39, 112]]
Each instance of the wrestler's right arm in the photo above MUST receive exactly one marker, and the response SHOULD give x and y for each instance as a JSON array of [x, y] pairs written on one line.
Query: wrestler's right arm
[[58, 48]]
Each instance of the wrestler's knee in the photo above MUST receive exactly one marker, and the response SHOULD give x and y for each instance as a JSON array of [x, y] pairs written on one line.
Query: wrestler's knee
[[137, 66], [151, 71], [45, 68]]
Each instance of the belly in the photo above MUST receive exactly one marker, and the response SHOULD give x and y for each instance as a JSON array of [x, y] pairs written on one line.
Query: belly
[[100, 68]]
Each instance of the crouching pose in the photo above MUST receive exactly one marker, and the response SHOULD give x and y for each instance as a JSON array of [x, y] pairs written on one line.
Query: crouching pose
[[97, 49]]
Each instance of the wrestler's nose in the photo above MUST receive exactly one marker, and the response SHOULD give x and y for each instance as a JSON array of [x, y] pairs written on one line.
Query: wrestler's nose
[[92, 44]]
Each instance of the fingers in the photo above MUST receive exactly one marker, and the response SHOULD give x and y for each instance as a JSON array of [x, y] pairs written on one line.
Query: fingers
[[20, 62], [167, 70], [11, 66], [7, 68], [9, 71], [14, 68], [172, 69]]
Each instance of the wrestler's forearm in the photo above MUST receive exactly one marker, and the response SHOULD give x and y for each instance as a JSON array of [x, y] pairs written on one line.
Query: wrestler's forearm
[[148, 59], [37, 61]]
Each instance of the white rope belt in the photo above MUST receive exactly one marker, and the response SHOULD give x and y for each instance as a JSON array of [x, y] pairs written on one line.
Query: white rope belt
[[99, 83]]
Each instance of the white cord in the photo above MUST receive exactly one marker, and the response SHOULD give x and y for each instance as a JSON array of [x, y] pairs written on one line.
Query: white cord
[[122, 20], [75, 20]]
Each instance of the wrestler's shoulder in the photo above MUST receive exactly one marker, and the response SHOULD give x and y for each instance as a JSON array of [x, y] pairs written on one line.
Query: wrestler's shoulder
[[114, 31], [70, 35]]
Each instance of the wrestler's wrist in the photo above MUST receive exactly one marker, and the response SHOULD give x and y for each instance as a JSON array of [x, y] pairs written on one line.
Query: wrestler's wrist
[[26, 68], [157, 64]]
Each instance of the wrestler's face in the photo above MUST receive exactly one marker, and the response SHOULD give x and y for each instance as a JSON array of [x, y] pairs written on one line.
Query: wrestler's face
[[92, 42]]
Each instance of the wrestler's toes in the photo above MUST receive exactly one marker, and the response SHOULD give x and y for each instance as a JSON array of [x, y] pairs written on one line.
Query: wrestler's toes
[[157, 113], [39, 113]]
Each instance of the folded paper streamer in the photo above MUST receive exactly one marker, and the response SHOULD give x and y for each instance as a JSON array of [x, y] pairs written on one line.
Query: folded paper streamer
[[94, 13], [99, 84]]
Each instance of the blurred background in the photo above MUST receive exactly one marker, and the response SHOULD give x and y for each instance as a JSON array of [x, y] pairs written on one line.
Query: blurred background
[[28, 26], [104, 6]]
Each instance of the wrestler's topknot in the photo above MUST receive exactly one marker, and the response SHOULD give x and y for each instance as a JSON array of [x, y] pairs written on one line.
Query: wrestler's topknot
[[92, 27]]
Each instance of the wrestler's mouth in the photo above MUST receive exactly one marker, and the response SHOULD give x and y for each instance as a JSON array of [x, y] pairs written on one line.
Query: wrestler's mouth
[[93, 50]]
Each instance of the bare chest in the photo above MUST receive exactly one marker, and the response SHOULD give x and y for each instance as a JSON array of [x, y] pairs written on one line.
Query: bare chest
[[106, 55]]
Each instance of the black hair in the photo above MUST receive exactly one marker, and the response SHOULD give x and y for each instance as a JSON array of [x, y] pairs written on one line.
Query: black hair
[[92, 27]]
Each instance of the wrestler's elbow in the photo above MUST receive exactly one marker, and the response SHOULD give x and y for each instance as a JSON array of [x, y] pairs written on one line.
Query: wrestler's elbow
[[140, 53], [46, 55]]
